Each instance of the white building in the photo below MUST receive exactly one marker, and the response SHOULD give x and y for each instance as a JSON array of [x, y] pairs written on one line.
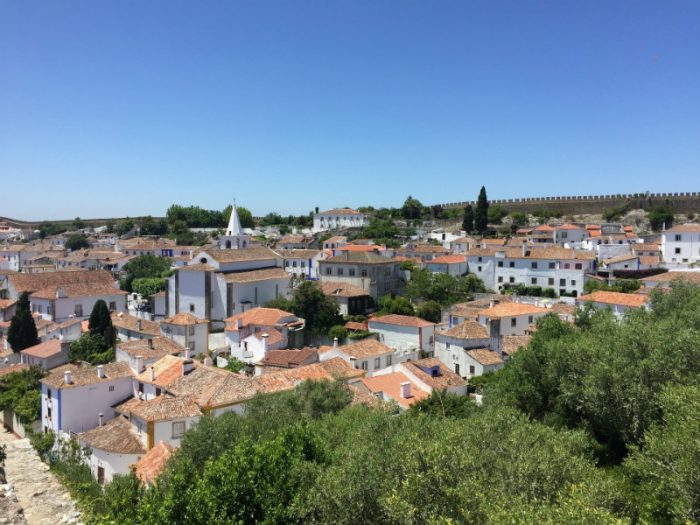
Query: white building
[[406, 334], [187, 331], [368, 355], [480, 361], [47, 355], [680, 245], [251, 334], [338, 219], [301, 263], [618, 302], [72, 396], [142, 353], [454, 265], [510, 318]]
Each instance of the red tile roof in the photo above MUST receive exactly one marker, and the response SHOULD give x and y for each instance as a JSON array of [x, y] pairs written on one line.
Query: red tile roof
[[615, 298], [400, 320]]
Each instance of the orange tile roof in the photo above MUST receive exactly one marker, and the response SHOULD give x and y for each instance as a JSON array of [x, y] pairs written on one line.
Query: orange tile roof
[[615, 298], [353, 325], [448, 259], [340, 211], [9, 369], [685, 228], [339, 289], [401, 320], [667, 277], [165, 371], [466, 330], [184, 319], [161, 408], [44, 350], [485, 357], [512, 309], [512, 343], [149, 467], [447, 377], [365, 348], [360, 248], [258, 317], [390, 385], [114, 436]]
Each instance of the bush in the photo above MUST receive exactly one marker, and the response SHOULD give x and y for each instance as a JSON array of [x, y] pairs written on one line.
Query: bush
[[430, 311], [338, 331]]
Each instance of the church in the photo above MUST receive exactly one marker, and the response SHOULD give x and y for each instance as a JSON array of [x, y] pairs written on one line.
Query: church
[[223, 280]]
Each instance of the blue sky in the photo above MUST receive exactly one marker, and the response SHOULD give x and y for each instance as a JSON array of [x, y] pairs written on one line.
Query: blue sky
[[122, 108]]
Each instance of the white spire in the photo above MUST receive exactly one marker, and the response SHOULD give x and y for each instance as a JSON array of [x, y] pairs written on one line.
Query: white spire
[[234, 223]]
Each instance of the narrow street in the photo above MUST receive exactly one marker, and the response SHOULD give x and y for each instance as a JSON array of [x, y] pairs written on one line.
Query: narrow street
[[42, 497]]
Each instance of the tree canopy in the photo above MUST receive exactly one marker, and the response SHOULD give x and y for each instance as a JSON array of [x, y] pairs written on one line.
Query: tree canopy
[[22, 332], [100, 323], [77, 241], [468, 219], [481, 213], [441, 287], [320, 311], [144, 266]]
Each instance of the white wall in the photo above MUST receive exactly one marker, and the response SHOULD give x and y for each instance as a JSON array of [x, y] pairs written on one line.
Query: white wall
[[688, 246], [403, 338], [112, 463]]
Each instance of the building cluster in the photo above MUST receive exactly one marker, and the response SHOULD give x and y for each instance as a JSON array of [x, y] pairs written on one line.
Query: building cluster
[[173, 359]]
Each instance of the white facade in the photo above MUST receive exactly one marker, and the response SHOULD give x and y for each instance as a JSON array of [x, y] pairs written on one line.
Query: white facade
[[61, 309], [407, 341], [474, 368], [195, 337], [111, 463], [339, 219], [370, 364], [681, 245]]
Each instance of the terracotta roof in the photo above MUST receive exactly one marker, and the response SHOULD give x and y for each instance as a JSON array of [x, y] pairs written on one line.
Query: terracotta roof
[[184, 319], [512, 309], [360, 248], [448, 259], [534, 252], [358, 258], [685, 228], [289, 358], [400, 320], [32, 282], [390, 385], [339, 368], [340, 211], [6, 303], [256, 275], [569, 227], [365, 348], [445, 379], [485, 357], [563, 309], [161, 408], [354, 325], [619, 258], [257, 253], [197, 267], [43, 350], [9, 369], [129, 322], [259, 316], [154, 348], [649, 260], [299, 253], [274, 336], [213, 386], [165, 371], [339, 289], [466, 330], [115, 436], [149, 467], [616, 298], [512, 343], [86, 375], [667, 277]]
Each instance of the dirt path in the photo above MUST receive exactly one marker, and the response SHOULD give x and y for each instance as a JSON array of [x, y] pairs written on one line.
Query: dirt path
[[44, 500]]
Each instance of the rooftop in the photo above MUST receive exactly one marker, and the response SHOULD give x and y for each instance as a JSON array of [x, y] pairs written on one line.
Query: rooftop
[[444, 379], [400, 320], [149, 467], [260, 317], [615, 298], [358, 258], [135, 324], [339, 289], [256, 275], [256, 253], [115, 436], [512, 343], [512, 309], [161, 408], [86, 375], [467, 330], [154, 348], [390, 386], [485, 357], [44, 350], [365, 348], [184, 319]]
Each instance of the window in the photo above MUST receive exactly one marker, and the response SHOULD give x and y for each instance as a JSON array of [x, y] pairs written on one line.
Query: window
[[377, 362], [294, 264], [351, 272], [158, 391], [550, 281], [192, 330], [363, 365], [479, 269], [500, 279], [191, 307], [573, 282], [500, 264], [552, 265], [513, 322], [472, 370], [78, 310], [534, 265], [579, 266], [286, 264], [363, 273], [112, 306], [512, 264], [141, 388], [677, 237], [178, 428], [533, 280], [562, 282], [530, 319], [388, 360], [677, 251], [479, 259], [457, 368], [340, 271], [511, 280], [48, 411], [303, 264], [567, 266], [111, 388], [329, 270]]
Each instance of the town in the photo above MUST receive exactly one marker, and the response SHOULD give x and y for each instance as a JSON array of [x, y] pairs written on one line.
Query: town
[[118, 339]]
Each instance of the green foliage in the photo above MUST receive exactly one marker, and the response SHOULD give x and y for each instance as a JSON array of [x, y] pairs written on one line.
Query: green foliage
[[19, 391], [395, 305], [614, 214], [310, 303], [124, 227], [77, 241], [49, 228], [78, 224], [196, 217], [22, 332], [234, 365], [481, 212], [148, 286], [281, 303], [150, 226], [621, 285], [338, 331], [442, 404], [430, 311], [468, 219], [42, 442], [244, 216], [495, 214], [408, 265], [442, 288], [100, 324], [519, 218], [529, 291], [382, 231], [144, 266], [411, 209], [359, 334], [660, 216], [3, 455], [92, 349]]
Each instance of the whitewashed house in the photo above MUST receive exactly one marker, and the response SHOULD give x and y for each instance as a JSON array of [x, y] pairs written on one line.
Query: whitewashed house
[[251, 334], [187, 331], [47, 355], [406, 334], [618, 302], [454, 265], [142, 353], [680, 245], [480, 361], [368, 355], [511, 318], [339, 219]]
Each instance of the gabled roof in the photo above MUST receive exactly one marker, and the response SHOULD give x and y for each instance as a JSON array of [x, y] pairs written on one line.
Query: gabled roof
[[166, 370], [135, 324], [685, 228], [44, 350], [86, 375], [667, 277], [149, 467], [615, 298], [485, 357], [512, 343], [400, 320], [259, 316], [338, 289], [115, 436], [32, 282], [466, 330], [289, 358], [358, 258], [446, 378], [255, 253], [161, 408], [340, 211], [184, 319], [448, 259], [365, 348], [390, 385], [512, 309], [251, 276], [154, 348]]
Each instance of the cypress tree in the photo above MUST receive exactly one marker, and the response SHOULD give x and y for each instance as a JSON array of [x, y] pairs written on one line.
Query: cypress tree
[[468, 219], [22, 332], [481, 214], [101, 323]]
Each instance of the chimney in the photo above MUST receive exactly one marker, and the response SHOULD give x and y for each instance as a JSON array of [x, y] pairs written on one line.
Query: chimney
[[152, 374], [139, 364], [238, 324], [68, 377], [406, 390], [188, 354], [99, 419], [264, 342], [208, 361], [138, 325], [101, 371], [150, 344], [335, 342], [523, 247], [187, 366]]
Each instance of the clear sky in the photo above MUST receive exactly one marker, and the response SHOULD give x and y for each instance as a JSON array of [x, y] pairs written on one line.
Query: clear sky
[[124, 107]]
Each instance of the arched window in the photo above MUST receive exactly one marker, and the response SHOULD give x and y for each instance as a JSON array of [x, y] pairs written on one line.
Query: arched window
[[228, 244], [203, 260]]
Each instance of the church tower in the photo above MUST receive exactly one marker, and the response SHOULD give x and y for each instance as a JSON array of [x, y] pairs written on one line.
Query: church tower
[[234, 238]]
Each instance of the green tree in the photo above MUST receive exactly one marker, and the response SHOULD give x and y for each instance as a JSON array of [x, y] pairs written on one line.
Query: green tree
[[91, 349], [22, 332], [20, 391], [338, 331], [396, 305], [496, 214], [430, 311], [144, 266], [319, 310], [481, 213], [100, 324], [468, 219], [411, 208], [150, 226], [148, 286], [77, 241], [124, 227], [519, 218], [78, 224], [659, 217]]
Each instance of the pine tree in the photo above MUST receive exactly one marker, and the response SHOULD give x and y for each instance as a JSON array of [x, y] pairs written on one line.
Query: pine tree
[[481, 214], [468, 220], [101, 323], [22, 332]]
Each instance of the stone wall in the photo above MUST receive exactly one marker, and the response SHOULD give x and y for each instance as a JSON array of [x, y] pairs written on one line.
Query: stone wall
[[595, 204]]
